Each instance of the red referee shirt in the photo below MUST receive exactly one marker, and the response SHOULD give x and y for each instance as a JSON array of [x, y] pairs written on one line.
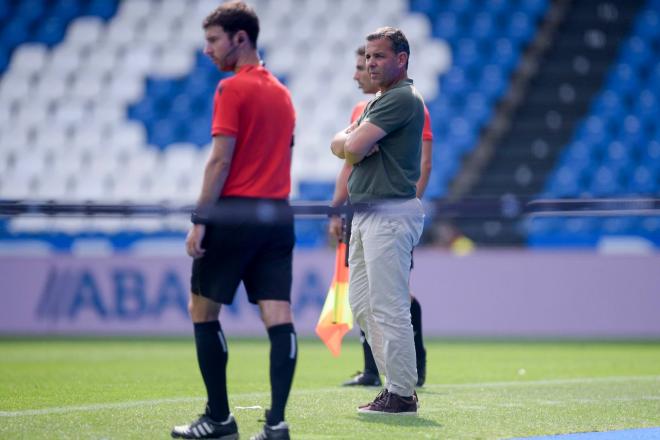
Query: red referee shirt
[[256, 109]]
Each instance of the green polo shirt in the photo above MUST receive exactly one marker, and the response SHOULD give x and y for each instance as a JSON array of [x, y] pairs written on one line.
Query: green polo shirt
[[393, 171]]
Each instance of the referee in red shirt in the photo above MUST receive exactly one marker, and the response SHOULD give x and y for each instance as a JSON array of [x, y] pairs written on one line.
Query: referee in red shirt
[[252, 129]]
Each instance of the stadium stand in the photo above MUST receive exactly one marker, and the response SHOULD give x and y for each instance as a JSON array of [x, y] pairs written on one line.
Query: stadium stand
[[127, 94], [586, 127], [615, 151]]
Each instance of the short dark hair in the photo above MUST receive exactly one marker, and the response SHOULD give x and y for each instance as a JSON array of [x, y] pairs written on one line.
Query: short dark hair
[[361, 51], [397, 39], [233, 17]]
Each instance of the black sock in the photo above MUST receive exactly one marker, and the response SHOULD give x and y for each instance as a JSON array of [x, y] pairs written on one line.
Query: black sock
[[369, 361], [416, 318], [212, 359], [283, 355]]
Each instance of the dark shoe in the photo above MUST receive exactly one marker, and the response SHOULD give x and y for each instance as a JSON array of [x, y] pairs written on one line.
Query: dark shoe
[[365, 379], [277, 432], [381, 396], [392, 403], [205, 427], [421, 372]]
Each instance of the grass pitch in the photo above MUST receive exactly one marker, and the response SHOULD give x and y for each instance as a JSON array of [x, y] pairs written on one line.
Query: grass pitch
[[117, 389]]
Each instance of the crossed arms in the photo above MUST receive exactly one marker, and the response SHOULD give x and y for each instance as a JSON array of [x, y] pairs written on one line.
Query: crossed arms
[[357, 141]]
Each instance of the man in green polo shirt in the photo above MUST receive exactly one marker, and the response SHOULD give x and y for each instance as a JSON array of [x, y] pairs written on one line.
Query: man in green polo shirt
[[384, 147]]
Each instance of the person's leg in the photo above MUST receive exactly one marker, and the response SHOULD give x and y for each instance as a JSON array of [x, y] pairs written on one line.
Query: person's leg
[[211, 354], [369, 361], [217, 421], [277, 318], [388, 244], [420, 351], [359, 294], [369, 376]]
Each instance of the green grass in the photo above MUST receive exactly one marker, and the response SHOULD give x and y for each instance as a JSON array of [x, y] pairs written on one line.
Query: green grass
[[116, 389]]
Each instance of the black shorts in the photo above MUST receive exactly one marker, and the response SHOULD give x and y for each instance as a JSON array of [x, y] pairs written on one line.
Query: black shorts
[[259, 254]]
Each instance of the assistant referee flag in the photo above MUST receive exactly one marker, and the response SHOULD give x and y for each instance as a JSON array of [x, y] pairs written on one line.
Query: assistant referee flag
[[336, 318]]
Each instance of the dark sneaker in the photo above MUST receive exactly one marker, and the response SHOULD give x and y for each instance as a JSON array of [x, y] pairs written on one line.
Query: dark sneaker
[[365, 379], [277, 432], [421, 372], [381, 396], [391, 403], [205, 427]]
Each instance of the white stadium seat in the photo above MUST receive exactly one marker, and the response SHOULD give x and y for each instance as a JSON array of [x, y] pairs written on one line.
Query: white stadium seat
[[84, 32], [29, 58]]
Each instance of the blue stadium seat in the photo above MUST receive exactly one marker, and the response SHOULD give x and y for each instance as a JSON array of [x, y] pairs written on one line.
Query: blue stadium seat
[[609, 105], [51, 31], [199, 130], [633, 131], [648, 26], [498, 8], [651, 154], [605, 182], [618, 225], [579, 231], [30, 10], [520, 27], [16, 32], [566, 182], [467, 55], [493, 82], [101, 8], [623, 80], [447, 26], [163, 132], [647, 106], [429, 7], [534, 7], [5, 11], [637, 53], [68, 9], [643, 181], [483, 26], [455, 82], [595, 130], [504, 54], [579, 155], [477, 109], [463, 7]]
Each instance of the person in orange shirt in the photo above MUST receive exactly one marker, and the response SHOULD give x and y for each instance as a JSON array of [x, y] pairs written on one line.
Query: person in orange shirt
[[369, 376], [249, 167]]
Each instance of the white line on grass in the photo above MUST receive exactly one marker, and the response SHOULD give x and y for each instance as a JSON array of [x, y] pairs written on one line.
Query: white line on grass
[[98, 406], [136, 403]]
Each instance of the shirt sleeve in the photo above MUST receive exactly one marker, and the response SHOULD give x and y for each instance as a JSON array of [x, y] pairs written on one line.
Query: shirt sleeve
[[427, 133], [391, 111], [225, 111]]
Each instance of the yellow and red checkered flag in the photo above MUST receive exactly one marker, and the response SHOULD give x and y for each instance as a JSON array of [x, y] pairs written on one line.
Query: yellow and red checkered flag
[[336, 317]]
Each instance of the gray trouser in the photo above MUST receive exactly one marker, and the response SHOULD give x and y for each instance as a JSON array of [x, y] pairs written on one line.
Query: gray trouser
[[380, 252]]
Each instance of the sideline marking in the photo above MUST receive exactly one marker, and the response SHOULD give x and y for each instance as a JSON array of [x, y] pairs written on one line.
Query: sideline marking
[[135, 403], [624, 434]]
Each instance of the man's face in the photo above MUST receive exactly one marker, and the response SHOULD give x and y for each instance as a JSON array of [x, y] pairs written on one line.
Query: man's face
[[361, 76], [383, 65], [220, 48]]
